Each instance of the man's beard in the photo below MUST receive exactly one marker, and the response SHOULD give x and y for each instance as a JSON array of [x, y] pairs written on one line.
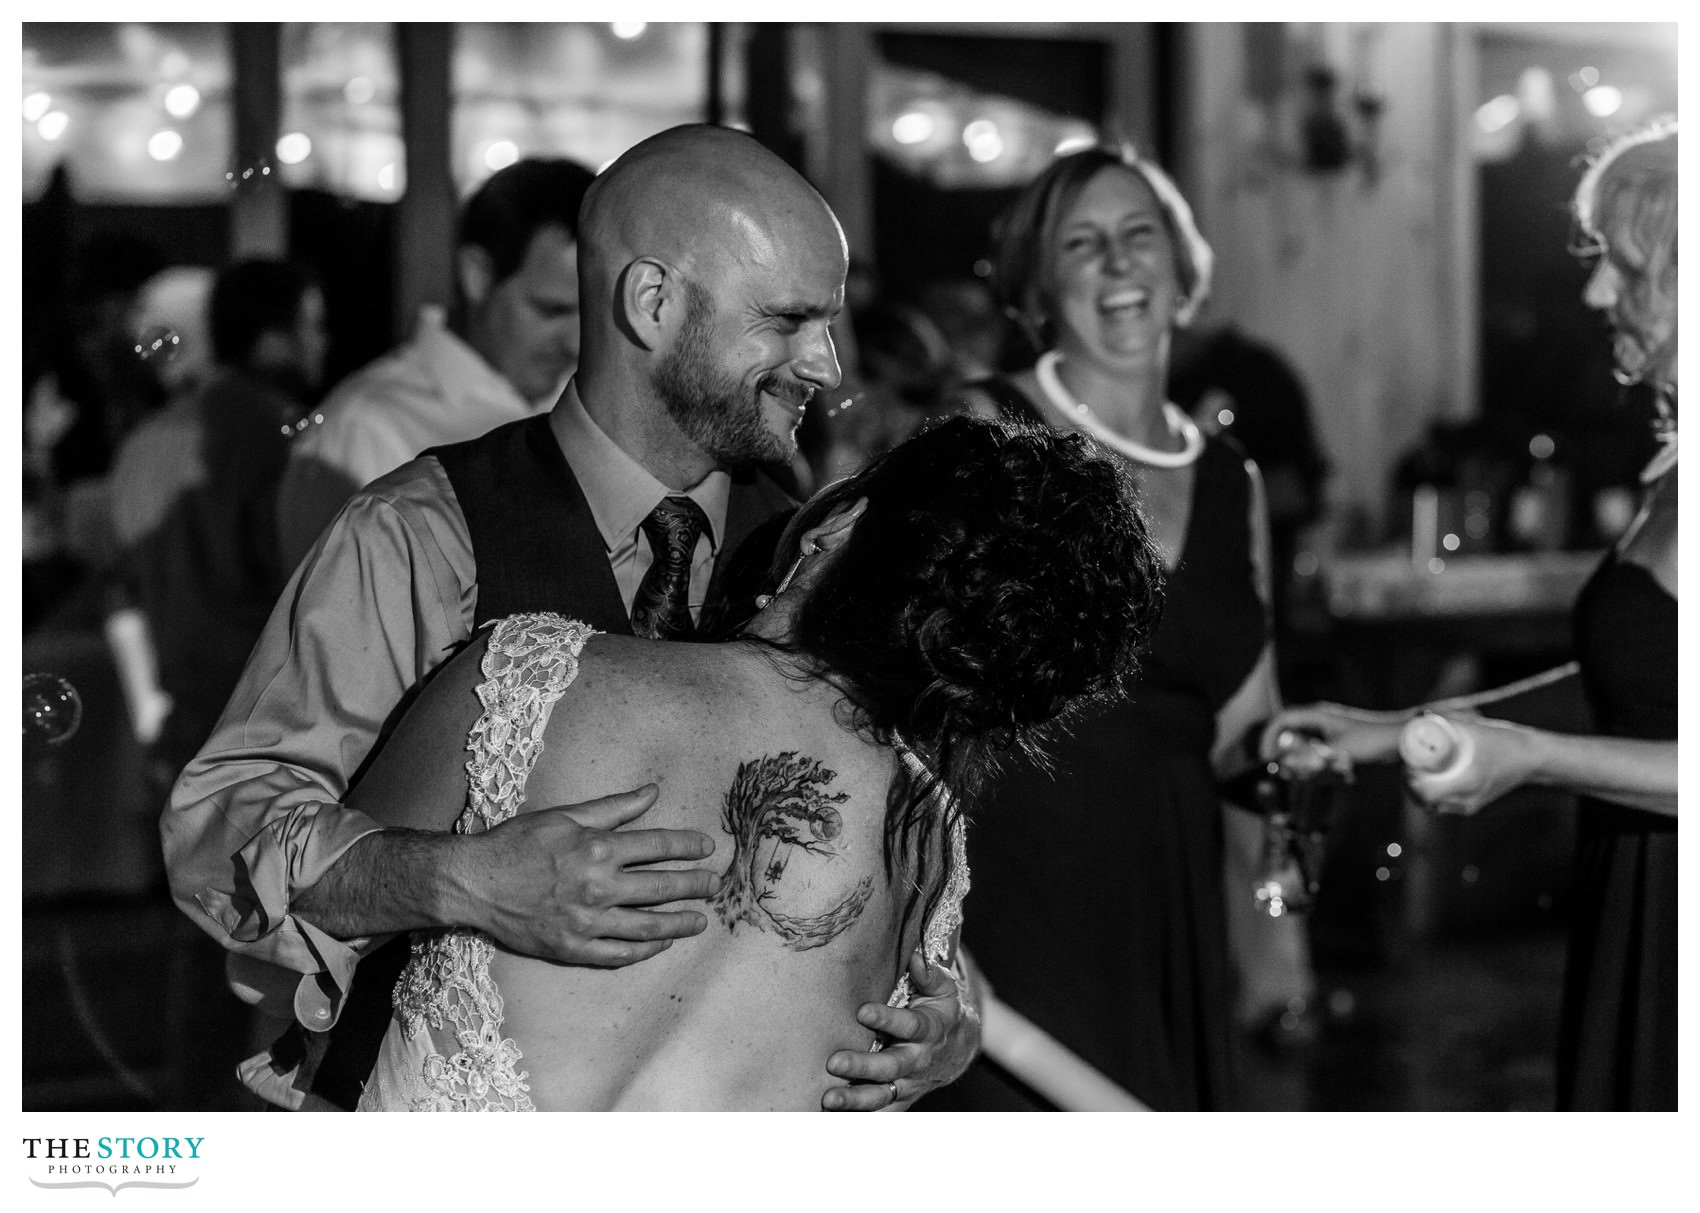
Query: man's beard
[[713, 408]]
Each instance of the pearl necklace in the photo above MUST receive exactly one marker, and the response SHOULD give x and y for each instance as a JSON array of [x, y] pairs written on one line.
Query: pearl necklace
[[1192, 441]]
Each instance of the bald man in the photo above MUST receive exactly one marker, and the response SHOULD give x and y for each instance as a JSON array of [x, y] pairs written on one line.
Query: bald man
[[709, 274]]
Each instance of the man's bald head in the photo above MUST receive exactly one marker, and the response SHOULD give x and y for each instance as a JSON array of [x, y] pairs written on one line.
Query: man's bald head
[[710, 273], [701, 198]]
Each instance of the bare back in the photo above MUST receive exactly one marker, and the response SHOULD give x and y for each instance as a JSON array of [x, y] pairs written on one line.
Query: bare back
[[805, 927]]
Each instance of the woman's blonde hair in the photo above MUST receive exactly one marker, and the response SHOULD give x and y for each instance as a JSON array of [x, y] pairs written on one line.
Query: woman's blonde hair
[[1632, 187]]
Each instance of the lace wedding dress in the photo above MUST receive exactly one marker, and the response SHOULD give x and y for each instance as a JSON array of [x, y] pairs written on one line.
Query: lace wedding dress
[[445, 1050]]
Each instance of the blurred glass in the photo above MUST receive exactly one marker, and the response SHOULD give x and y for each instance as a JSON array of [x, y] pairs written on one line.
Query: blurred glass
[[1300, 796]]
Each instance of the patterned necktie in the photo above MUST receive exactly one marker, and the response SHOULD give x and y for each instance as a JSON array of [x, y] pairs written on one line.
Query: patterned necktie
[[662, 608]]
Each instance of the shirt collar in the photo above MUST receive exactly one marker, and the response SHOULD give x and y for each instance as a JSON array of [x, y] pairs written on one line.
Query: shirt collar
[[459, 370], [620, 492]]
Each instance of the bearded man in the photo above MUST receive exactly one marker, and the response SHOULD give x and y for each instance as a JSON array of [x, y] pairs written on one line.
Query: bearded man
[[709, 275]]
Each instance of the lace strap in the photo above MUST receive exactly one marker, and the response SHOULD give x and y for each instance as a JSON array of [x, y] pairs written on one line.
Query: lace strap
[[530, 662]]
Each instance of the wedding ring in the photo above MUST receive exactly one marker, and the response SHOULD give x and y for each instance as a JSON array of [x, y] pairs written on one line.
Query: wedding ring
[[893, 1086]]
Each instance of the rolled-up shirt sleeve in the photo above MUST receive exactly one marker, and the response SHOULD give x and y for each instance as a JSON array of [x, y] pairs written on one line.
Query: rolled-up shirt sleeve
[[383, 598]]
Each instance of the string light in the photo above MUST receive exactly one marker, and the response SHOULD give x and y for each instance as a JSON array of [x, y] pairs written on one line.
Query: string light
[[181, 100], [294, 147], [912, 127], [165, 145], [1496, 115], [1603, 100], [983, 140]]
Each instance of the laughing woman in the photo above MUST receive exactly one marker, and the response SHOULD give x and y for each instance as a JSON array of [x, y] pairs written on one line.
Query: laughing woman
[[1099, 911]]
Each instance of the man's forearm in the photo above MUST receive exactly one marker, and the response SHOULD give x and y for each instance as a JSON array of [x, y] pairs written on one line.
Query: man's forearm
[[393, 880]]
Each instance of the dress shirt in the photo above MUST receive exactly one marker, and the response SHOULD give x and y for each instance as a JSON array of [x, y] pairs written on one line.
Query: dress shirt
[[385, 596], [622, 494], [431, 391]]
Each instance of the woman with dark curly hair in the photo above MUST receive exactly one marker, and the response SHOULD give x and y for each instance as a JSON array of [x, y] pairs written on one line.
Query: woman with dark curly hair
[[1098, 910], [941, 607]]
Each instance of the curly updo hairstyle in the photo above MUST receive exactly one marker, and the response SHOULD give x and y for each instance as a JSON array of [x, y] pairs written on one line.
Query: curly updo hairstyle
[[1001, 575]]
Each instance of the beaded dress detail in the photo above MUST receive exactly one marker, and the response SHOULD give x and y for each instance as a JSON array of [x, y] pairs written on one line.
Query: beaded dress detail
[[448, 1029]]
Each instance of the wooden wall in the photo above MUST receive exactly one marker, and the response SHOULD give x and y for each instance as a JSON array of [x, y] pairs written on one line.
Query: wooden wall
[[1367, 284]]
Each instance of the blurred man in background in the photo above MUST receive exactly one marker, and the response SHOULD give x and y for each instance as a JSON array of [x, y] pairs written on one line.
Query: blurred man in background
[[511, 345], [194, 495]]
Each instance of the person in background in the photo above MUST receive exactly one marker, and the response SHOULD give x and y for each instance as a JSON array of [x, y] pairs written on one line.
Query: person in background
[[973, 326], [1097, 909], [1233, 382], [172, 326], [194, 491], [511, 346], [97, 376], [1618, 1025]]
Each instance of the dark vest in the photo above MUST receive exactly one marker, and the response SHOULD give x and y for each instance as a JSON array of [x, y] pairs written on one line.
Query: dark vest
[[536, 548]]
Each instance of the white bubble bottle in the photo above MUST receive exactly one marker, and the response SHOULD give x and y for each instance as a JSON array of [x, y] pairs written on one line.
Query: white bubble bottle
[[1435, 748]]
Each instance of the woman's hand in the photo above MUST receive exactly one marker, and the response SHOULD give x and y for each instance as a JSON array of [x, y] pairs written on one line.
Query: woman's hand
[[1362, 735], [1501, 757], [930, 1043]]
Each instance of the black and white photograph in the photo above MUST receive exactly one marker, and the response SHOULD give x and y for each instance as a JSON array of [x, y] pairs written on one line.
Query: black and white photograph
[[936, 565]]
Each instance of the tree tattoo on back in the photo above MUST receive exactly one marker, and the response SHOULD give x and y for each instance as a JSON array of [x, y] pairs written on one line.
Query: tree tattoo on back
[[777, 805]]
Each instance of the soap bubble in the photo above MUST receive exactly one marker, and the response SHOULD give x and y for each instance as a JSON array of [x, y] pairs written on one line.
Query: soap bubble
[[158, 345], [249, 177], [52, 709]]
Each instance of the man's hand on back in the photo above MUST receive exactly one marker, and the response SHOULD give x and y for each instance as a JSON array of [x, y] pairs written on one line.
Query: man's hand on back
[[929, 1043], [555, 883]]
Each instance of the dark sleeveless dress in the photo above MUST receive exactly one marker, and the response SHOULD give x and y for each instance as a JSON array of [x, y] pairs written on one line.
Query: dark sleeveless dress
[[1617, 1030], [1097, 908]]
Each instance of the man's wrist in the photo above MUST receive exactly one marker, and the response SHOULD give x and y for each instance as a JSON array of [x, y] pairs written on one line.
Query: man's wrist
[[453, 865], [390, 880]]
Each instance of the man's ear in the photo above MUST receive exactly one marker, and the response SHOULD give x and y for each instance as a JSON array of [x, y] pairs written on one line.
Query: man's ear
[[475, 273], [651, 301]]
